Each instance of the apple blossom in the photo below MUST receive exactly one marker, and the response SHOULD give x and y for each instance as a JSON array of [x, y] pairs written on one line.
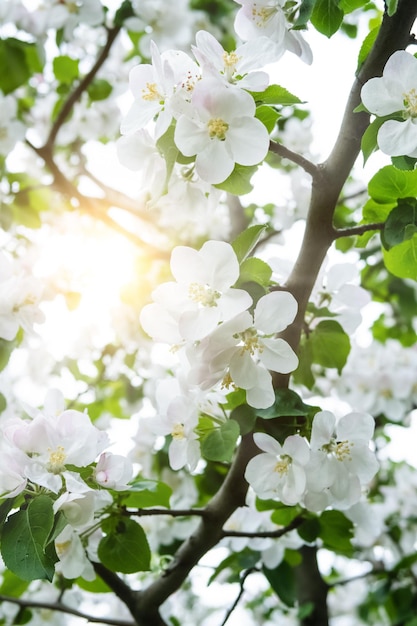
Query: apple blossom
[[257, 18], [279, 471], [202, 297], [241, 351], [113, 471], [153, 87], [237, 67], [73, 561], [341, 461], [219, 129], [395, 93]]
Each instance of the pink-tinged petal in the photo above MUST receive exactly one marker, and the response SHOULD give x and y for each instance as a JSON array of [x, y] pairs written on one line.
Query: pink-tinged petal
[[275, 311], [266, 443], [197, 324], [220, 259], [297, 448], [397, 138], [210, 47], [356, 427], [213, 99], [214, 164], [278, 356], [189, 136], [248, 140], [323, 428]]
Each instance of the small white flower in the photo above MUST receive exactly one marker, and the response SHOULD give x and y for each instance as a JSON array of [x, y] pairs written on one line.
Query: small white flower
[[341, 461], [279, 472], [219, 129], [395, 93], [238, 66], [202, 297]]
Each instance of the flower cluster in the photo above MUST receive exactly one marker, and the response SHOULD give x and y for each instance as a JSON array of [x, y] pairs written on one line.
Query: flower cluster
[[224, 344], [329, 471], [46, 452]]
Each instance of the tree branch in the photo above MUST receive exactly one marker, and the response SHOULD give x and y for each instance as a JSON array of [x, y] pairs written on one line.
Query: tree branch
[[243, 578], [62, 608], [298, 159], [75, 95], [169, 512]]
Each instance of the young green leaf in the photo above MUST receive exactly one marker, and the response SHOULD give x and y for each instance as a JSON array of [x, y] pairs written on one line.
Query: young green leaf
[[327, 16], [330, 345], [125, 547], [246, 241], [25, 539], [220, 443]]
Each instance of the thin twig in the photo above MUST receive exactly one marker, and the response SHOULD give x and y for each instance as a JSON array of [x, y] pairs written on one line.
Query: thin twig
[[298, 159], [240, 594], [358, 230], [62, 608], [272, 534], [171, 513], [81, 87]]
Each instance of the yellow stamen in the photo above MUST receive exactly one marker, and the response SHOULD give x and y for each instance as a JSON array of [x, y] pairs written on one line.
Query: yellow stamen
[[151, 93], [217, 128], [202, 294]]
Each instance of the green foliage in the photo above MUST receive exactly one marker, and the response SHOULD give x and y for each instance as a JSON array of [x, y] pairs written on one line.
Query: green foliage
[[327, 16], [65, 69], [246, 241], [245, 416], [219, 444], [124, 548], [19, 60], [369, 141], [390, 183], [144, 493], [27, 541], [268, 116], [239, 181], [99, 89], [336, 532], [402, 259], [401, 224], [282, 581], [275, 94], [256, 271]]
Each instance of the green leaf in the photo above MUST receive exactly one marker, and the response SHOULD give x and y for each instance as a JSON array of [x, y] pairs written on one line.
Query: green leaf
[[125, 547], [256, 271], [284, 515], [401, 260], [348, 6], [401, 224], [220, 443], [303, 375], [391, 6], [123, 13], [246, 241], [309, 530], [304, 14], [24, 544], [99, 89], [144, 493], [369, 141], [376, 212], [268, 116], [65, 69], [287, 404], [366, 47], [169, 151], [336, 532], [390, 183], [245, 416], [327, 17], [12, 585], [282, 581], [330, 345], [238, 183], [18, 61], [275, 94]]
